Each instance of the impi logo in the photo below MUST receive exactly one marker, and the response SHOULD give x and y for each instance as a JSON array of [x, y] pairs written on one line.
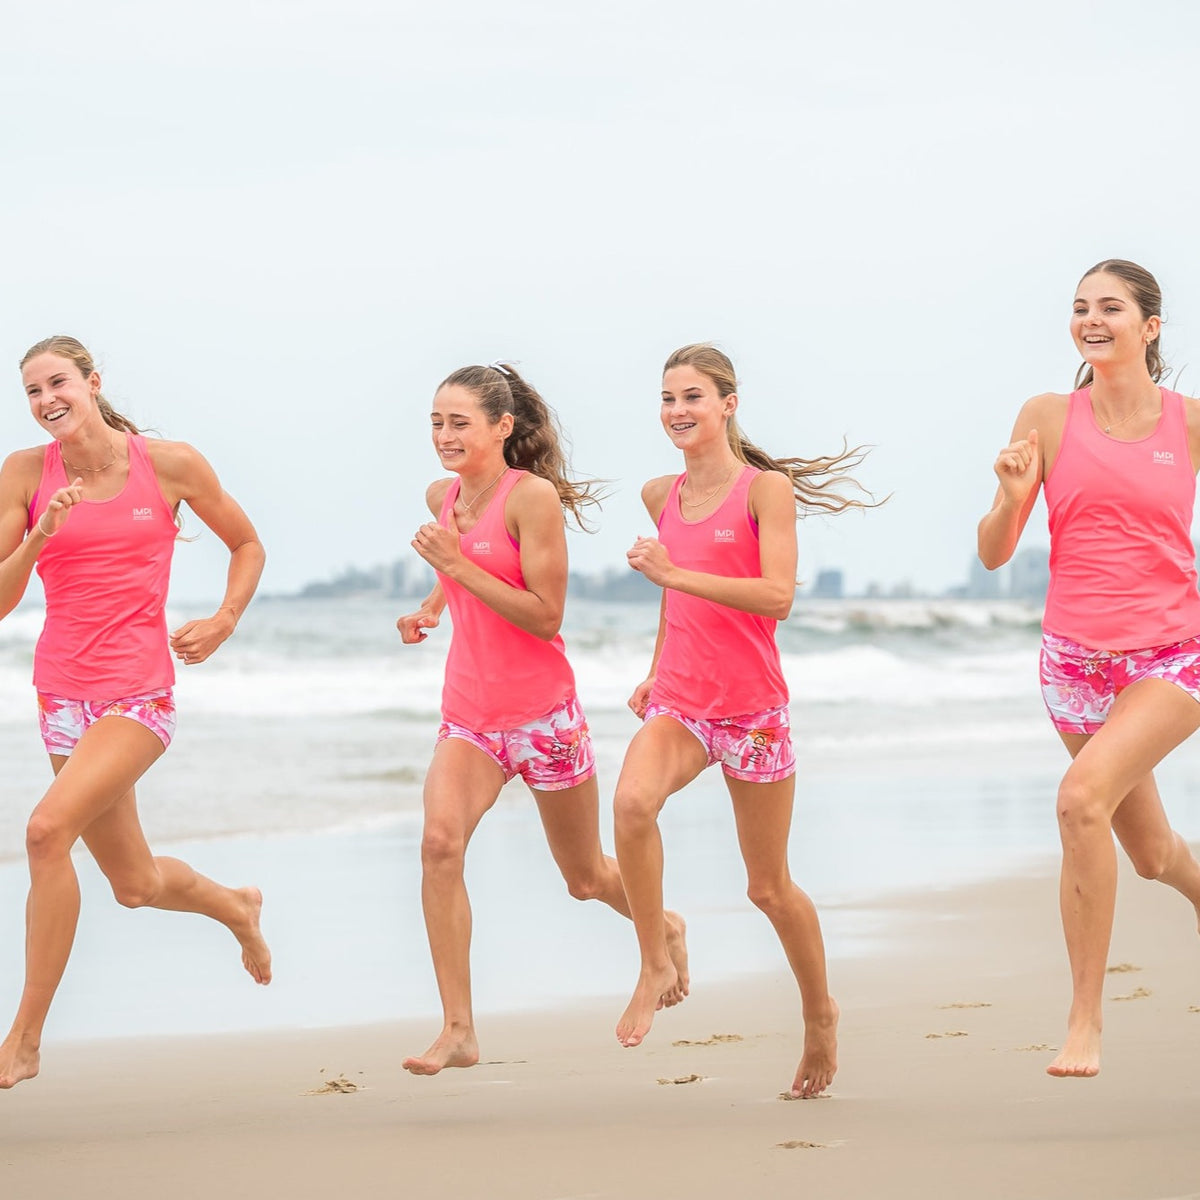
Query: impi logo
[[481, 547], [143, 514], [724, 535], [1164, 458]]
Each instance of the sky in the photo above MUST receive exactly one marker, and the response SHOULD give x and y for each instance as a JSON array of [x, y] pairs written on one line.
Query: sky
[[279, 224]]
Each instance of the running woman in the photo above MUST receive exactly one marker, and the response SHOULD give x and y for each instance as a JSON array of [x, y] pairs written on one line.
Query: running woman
[[95, 512], [1120, 662], [725, 557], [509, 707]]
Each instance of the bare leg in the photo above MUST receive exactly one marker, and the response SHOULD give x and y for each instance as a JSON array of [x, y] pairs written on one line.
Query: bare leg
[[571, 819], [139, 879], [764, 816], [662, 758], [1148, 720], [109, 758], [462, 784]]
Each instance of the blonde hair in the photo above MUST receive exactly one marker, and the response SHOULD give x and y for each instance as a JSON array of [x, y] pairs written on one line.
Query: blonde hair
[[536, 443], [812, 479], [68, 347]]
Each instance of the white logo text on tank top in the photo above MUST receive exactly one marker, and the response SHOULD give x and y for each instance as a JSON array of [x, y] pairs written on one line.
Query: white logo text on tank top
[[481, 547], [143, 514], [724, 535], [1164, 458]]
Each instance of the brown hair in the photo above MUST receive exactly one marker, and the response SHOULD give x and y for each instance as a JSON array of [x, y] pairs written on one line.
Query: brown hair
[[1147, 295], [813, 493], [68, 347], [536, 443]]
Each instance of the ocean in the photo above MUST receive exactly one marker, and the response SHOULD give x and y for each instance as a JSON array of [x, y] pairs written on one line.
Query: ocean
[[925, 761]]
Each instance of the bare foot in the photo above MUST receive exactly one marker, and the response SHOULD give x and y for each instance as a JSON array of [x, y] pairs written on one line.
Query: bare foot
[[256, 957], [648, 997], [819, 1062], [453, 1048], [1080, 1055], [17, 1061], [677, 949]]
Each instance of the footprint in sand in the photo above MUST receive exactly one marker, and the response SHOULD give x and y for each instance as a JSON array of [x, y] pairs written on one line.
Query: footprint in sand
[[339, 1086], [948, 1033], [798, 1145], [1122, 969], [1039, 1046], [1194, 1008], [683, 1079], [1136, 994], [716, 1039], [967, 1004], [808, 1099]]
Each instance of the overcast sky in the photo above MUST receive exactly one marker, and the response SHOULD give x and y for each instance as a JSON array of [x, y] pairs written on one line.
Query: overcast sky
[[280, 224]]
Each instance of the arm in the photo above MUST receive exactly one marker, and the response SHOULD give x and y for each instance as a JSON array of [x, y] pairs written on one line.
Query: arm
[[641, 693], [412, 626], [769, 594], [1020, 467], [534, 516], [18, 549], [185, 475]]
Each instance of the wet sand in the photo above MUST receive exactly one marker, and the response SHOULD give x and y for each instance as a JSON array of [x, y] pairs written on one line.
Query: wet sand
[[946, 1032]]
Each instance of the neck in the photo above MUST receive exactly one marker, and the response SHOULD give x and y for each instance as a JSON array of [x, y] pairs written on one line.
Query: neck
[[707, 468], [473, 482], [91, 448], [1117, 389]]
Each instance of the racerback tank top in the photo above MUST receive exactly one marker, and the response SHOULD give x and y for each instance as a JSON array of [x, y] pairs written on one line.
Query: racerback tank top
[[1122, 563], [497, 676], [716, 661], [105, 573]]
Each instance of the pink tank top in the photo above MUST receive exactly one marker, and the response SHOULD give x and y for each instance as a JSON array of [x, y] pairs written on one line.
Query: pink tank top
[[497, 676], [716, 661], [105, 573], [1122, 563]]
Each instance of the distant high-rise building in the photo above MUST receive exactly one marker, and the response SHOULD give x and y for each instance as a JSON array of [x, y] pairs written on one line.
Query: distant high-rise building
[[982, 584], [1029, 575], [829, 585]]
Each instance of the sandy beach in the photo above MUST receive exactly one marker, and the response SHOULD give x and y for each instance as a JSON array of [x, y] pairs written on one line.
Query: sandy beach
[[941, 1092]]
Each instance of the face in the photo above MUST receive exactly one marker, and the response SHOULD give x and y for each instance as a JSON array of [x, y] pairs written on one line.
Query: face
[[1107, 324], [462, 435], [61, 398], [693, 411]]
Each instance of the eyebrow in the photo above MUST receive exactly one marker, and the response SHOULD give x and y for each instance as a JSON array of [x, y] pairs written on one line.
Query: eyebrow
[[1103, 300]]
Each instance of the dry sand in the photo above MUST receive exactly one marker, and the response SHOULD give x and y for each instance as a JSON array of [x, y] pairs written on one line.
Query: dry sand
[[941, 1093]]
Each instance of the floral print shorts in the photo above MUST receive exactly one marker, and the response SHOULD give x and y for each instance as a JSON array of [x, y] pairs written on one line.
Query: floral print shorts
[[550, 753], [64, 721], [756, 747], [1079, 685]]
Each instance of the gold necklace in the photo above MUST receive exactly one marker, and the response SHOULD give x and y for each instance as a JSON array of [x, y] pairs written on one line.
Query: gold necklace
[[705, 499], [489, 487], [93, 470], [1129, 417]]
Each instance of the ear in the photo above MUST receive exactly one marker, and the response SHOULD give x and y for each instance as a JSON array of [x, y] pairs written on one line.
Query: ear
[[93, 382], [1153, 329], [731, 404], [505, 425]]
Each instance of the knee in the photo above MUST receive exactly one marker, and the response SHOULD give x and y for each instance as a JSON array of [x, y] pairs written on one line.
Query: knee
[[442, 849], [635, 810], [45, 839], [136, 891], [769, 895], [1080, 809], [1153, 861], [584, 886]]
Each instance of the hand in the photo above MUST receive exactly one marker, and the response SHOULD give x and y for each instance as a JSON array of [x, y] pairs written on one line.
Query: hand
[[59, 508], [641, 697], [1018, 467], [412, 627], [650, 557], [193, 642], [438, 545]]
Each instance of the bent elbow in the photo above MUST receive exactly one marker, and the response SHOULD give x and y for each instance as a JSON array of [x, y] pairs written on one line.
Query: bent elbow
[[780, 607]]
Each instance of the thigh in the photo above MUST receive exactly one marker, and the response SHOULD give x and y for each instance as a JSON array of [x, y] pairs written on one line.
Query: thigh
[[763, 813], [663, 757], [110, 757], [461, 785], [116, 841], [571, 819], [1147, 721]]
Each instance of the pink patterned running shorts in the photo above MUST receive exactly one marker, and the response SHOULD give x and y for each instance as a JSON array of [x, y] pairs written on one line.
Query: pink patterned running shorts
[[550, 753], [756, 747], [64, 721], [1079, 685]]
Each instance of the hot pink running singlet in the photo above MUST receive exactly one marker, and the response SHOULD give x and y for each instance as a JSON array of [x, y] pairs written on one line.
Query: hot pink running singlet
[[497, 676], [716, 661], [106, 573], [1122, 563]]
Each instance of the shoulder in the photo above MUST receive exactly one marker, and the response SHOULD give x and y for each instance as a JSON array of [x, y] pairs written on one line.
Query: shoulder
[[771, 485], [21, 471], [534, 487], [533, 498], [1191, 411], [655, 493], [1046, 406], [175, 459], [435, 494], [772, 496]]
